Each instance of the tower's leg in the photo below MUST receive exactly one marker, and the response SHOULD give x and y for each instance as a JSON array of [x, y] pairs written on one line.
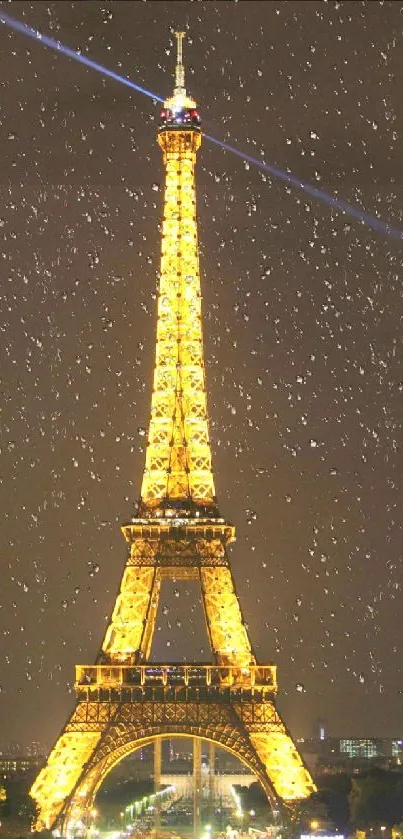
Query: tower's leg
[[196, 787], [228, 634], [57, 779], [211, 780], [130, 631], [157, 784], [276, 750]]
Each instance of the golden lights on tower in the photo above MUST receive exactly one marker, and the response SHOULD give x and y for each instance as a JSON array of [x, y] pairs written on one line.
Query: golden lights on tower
[[124, 701]]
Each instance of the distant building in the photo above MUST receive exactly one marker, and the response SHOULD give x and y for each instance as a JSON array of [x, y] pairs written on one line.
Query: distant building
[[13, 767], [36, 749], [320, 730], [221, 786], [397, 751], [13, 750], [350, 754], [360, 748]]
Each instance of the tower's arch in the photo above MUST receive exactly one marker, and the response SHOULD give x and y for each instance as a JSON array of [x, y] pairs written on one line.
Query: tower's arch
[[85, 793]]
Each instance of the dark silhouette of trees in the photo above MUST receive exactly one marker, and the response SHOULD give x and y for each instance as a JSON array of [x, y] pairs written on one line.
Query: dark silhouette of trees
[[376, 797], [345, 802], [334, 792]]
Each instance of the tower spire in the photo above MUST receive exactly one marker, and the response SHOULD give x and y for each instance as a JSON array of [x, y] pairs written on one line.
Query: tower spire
[[179, 69], [179, 98]]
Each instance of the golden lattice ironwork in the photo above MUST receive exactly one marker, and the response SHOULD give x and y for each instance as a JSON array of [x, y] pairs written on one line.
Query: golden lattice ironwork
[[178, 459], [123, 701]]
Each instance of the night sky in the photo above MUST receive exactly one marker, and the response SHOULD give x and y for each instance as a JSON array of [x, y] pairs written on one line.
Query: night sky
[[303, 322]]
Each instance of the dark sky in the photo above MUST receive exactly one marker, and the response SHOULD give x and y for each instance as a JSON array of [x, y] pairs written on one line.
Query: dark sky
[[303, 323]]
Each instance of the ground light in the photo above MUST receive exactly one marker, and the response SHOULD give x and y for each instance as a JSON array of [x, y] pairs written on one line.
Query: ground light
[[144, 803], [237, 799], [322, 835], [332, 201]]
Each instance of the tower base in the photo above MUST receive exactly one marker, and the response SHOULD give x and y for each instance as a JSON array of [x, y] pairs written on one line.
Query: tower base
[[112, 719]]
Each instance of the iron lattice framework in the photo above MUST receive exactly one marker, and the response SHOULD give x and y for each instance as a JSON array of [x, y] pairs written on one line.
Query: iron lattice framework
[[123, 702]]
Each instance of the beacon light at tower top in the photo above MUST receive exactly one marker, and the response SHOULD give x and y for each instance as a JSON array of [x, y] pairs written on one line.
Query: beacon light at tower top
[[337, 204]]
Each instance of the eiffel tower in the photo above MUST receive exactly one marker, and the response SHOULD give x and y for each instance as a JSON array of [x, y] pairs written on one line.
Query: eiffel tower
[[124, 701]]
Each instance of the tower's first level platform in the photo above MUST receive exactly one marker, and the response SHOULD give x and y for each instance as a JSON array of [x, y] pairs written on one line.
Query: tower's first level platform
[[181, 682]]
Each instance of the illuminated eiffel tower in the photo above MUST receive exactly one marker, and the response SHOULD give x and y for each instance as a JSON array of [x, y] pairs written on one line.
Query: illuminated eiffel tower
[[124, 701]]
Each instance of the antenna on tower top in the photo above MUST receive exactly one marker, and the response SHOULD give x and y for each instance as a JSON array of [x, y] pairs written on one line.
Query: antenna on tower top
[[179, 69]]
